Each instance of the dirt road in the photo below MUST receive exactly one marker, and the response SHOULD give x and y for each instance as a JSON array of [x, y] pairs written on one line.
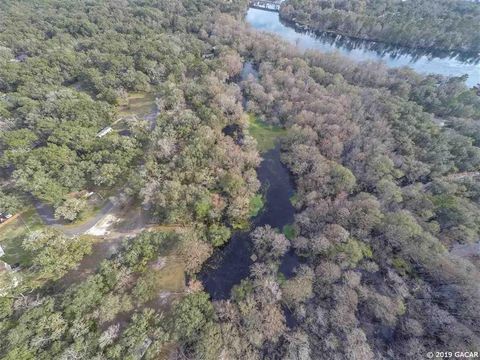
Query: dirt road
[[46, 213]]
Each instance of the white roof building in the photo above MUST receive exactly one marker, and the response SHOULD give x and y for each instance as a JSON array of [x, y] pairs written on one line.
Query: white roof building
[[104, 132]]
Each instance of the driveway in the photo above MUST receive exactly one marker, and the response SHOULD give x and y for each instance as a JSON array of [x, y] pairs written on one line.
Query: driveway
[[46, 213]]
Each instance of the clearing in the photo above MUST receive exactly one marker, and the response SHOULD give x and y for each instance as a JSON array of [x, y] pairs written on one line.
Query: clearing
[[266, 135]]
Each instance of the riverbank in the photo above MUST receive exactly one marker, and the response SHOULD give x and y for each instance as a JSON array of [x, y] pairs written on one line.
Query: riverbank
[[412, 24], [393, 57], [380, 45]]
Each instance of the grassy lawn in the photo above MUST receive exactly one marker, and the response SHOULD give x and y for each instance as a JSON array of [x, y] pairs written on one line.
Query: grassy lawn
[[89, 212], [138, 103], [13, 233], [266, 135], [172, 276]]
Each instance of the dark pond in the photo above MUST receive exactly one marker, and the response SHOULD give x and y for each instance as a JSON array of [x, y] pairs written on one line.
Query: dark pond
[[231, 263], [422, 62]]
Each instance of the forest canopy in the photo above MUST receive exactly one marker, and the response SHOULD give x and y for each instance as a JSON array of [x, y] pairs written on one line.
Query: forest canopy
[[385, 165], [445, 25]]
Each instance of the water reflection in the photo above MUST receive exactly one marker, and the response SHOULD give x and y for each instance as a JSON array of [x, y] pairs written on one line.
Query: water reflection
[[383, 49], [423, 61]]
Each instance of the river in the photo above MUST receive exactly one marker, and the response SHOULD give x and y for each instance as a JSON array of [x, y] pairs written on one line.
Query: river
[[361, 50], [230, 264]]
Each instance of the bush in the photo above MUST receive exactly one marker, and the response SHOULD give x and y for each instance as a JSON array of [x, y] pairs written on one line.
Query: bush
[[218, 234], [289, 232], [256, 204]]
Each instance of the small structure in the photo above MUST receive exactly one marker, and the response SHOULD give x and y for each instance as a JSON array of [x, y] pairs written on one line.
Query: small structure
[[208, 55], [142, 349], [8, 279], [268, 5], [4, 217], [1, 251], [440, 122], [104, 132]]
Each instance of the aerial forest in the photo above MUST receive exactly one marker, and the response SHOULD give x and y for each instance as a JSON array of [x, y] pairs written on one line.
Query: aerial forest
[[385, 164]]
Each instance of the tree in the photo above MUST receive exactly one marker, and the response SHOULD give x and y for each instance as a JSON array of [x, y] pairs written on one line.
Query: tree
[[351, 252], [194, 253], [299, 288], [269, 244], [10, 203], [298, 346], [54, 253], [107, 175], [70, 209], [218, 234], [209, 346], [357, 347], [146, 287], [232, 63], [37, 328], [190, 316], [109, 335]]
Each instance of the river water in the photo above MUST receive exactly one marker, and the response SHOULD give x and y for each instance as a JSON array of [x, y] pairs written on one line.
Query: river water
[[360, 50]]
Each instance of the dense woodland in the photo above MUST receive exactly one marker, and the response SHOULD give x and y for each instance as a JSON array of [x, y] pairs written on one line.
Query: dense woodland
[[444, 25], [383, 192]]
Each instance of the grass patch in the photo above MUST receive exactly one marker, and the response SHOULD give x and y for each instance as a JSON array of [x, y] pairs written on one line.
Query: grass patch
[[256, 204], [13, 234], [172, 276], [295, 200], [138, 103], [266, 135]]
